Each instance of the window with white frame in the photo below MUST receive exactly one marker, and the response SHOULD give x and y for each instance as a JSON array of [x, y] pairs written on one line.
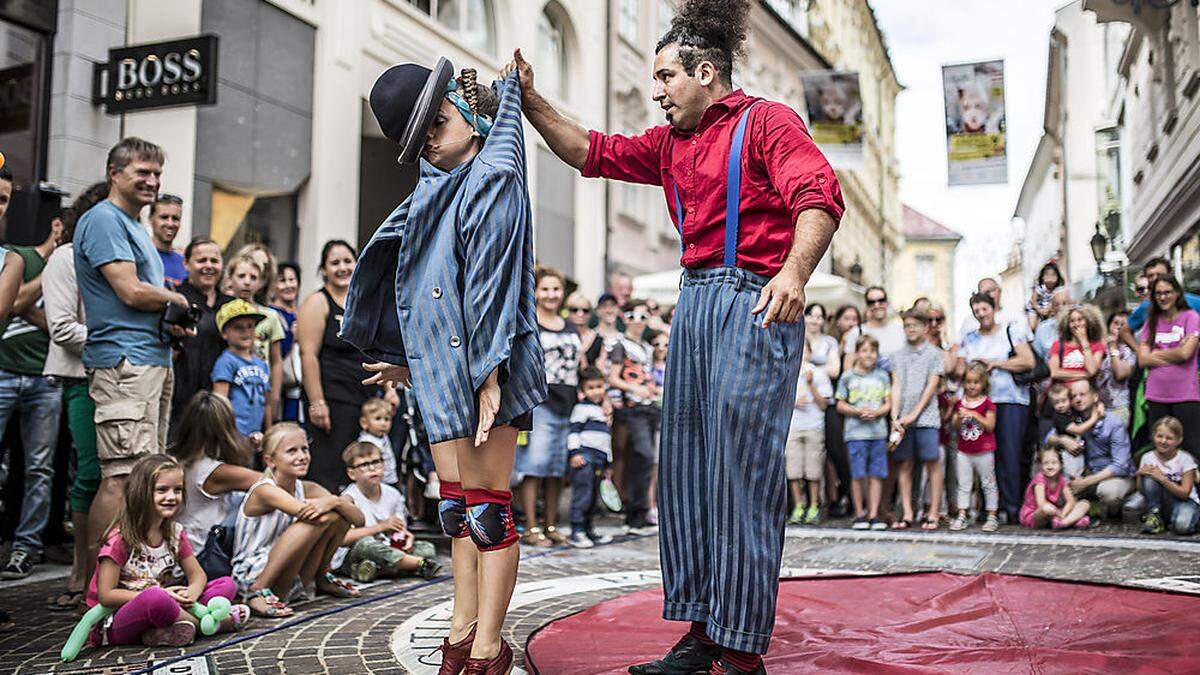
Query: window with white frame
[[471, 19], [552, 55], [925, 273]]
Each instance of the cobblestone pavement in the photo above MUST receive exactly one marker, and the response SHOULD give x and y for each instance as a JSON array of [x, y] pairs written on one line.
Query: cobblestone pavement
[[395, 627]]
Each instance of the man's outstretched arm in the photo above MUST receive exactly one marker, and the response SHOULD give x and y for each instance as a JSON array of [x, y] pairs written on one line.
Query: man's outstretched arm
[[567, 139]]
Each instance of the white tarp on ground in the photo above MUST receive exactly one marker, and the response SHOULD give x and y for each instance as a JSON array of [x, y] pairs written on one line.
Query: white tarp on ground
[[827, 289]]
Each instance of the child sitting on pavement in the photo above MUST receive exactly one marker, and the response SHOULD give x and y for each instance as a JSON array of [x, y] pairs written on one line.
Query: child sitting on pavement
[[1048, 500], [589, 444], [383, 545], [1166, 479], [1069, 428]]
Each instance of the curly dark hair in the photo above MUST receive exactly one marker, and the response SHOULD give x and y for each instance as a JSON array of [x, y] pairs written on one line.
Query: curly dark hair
[[91, 196], [709, 30]]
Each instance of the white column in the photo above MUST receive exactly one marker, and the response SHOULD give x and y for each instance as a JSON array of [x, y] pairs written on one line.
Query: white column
[[328, 207], [174, 129]]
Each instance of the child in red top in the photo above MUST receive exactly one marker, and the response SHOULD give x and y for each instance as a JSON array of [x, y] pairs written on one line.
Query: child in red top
[[974, 425], [146, 569], [1077, 353], [1048, 501]]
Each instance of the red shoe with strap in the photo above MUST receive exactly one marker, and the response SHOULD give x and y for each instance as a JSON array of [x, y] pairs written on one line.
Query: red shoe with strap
[[454, 656], [500, 664]]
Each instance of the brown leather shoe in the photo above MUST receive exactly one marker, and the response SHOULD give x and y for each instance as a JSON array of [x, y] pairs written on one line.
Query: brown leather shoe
[[454, 656], [500, 664]]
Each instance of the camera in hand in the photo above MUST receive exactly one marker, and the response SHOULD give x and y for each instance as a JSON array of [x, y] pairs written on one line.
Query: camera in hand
[[185, 318]]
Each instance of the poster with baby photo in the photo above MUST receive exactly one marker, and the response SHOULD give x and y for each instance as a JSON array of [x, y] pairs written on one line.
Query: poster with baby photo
[[975, 126], [835, 115]]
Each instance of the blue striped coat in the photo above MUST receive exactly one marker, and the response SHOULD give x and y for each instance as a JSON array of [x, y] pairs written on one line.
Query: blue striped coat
[[446, 285]]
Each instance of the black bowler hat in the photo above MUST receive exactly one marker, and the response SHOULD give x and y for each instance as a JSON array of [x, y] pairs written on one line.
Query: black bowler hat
[[405, 100]]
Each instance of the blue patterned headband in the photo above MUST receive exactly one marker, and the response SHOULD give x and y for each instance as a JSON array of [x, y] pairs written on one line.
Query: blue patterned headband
[[479, 122]]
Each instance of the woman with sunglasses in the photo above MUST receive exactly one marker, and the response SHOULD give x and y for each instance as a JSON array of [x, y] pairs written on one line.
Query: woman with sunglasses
[[542, 463], [446, 288], [1167, 350], [579, 314]]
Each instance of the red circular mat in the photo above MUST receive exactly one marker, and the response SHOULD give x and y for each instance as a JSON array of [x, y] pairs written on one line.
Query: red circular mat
[[913, 623]]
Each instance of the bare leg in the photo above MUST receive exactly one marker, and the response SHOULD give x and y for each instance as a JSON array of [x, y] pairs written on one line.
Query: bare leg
[[1080, 510], [814, 493], [317, 564], [488, 467], [553, 490], [81, 561], [287, 556], [856, 495], [831, 482], [464, 557], [903, 472], [652, 498], [105, 505], [797, 493], [529, 492], [934, 471], [875, 490]]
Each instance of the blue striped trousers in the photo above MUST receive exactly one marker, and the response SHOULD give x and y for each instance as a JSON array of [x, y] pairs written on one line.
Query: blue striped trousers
[[727, 404]]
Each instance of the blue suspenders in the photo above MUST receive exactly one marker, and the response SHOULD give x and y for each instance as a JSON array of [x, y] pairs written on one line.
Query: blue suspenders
[[733, 192]]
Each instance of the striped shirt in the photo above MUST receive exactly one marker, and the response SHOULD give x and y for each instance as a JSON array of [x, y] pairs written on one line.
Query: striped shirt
[[589, 430]]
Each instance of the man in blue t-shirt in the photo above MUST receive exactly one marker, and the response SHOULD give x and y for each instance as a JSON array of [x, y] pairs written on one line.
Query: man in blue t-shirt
[[128, 351], [166, 212]]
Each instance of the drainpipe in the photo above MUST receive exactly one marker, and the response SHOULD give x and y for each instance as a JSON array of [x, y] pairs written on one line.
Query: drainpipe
[[1060, 41], [607, 128]]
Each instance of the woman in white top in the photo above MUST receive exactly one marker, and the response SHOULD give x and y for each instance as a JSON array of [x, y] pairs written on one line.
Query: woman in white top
[[288, 529], [213, 455], [65, 322]]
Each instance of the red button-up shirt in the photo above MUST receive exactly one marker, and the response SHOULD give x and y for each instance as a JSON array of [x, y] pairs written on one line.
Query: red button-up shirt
[[783, 173]]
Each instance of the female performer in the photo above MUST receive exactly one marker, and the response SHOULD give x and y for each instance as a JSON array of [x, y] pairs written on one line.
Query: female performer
[[445, 291]]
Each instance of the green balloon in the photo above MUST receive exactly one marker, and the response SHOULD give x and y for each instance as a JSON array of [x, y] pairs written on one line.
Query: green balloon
[[80, 634], [220, 607], [208, 625]]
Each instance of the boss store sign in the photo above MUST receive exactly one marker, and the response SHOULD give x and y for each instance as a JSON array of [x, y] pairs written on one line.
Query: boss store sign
[[158, 75]]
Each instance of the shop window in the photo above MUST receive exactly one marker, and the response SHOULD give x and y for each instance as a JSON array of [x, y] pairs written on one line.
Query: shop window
[[471, 19], [552, 53], [22, 64], [239, 219]]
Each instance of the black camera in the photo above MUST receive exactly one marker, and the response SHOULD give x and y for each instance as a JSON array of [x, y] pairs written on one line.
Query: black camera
[[185, 318]]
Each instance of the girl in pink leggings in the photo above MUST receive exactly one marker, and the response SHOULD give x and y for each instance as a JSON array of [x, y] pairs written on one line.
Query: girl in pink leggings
[[146, 569]]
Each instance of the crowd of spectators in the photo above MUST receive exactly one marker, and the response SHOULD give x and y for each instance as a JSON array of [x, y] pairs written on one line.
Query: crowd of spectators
[[291, 477]]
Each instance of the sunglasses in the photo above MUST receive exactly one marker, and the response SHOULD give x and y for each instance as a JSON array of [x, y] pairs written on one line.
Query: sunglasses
[[579, 310], [1141, 290], [168, 198], [876, 301], [636, 316], [373, 464], [936, 319]]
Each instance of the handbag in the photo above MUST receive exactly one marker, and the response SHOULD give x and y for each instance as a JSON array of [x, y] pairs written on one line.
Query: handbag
[[290, 364], [216, 558], [1040, 370]]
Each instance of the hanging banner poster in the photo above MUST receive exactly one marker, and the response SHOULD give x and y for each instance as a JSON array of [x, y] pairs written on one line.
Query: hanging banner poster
[[835, 115], [975, 125]]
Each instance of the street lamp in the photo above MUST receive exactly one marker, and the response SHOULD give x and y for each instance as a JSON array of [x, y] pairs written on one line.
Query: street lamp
[[1099, 244]]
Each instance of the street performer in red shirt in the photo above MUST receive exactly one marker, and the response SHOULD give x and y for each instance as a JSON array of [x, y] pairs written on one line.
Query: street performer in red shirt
[[756, 204]]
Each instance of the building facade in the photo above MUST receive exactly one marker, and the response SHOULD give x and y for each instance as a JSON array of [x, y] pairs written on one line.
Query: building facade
[[1073, 186], [290, 154], [924, 266], [1156, 108], [786, 37]]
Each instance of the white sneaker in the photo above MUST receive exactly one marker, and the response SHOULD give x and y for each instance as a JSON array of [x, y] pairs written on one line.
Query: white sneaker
[[652, 516], [580, 540], [600, 539], [433, 489]]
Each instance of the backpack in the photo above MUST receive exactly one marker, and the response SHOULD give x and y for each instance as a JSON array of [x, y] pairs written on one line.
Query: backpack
[[1040, 370], [216, 558]]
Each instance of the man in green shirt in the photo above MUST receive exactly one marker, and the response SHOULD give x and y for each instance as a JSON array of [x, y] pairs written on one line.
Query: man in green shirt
[[36, 397]]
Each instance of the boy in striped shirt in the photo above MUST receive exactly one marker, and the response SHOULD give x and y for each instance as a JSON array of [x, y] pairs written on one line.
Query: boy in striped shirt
[[589, 445]]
